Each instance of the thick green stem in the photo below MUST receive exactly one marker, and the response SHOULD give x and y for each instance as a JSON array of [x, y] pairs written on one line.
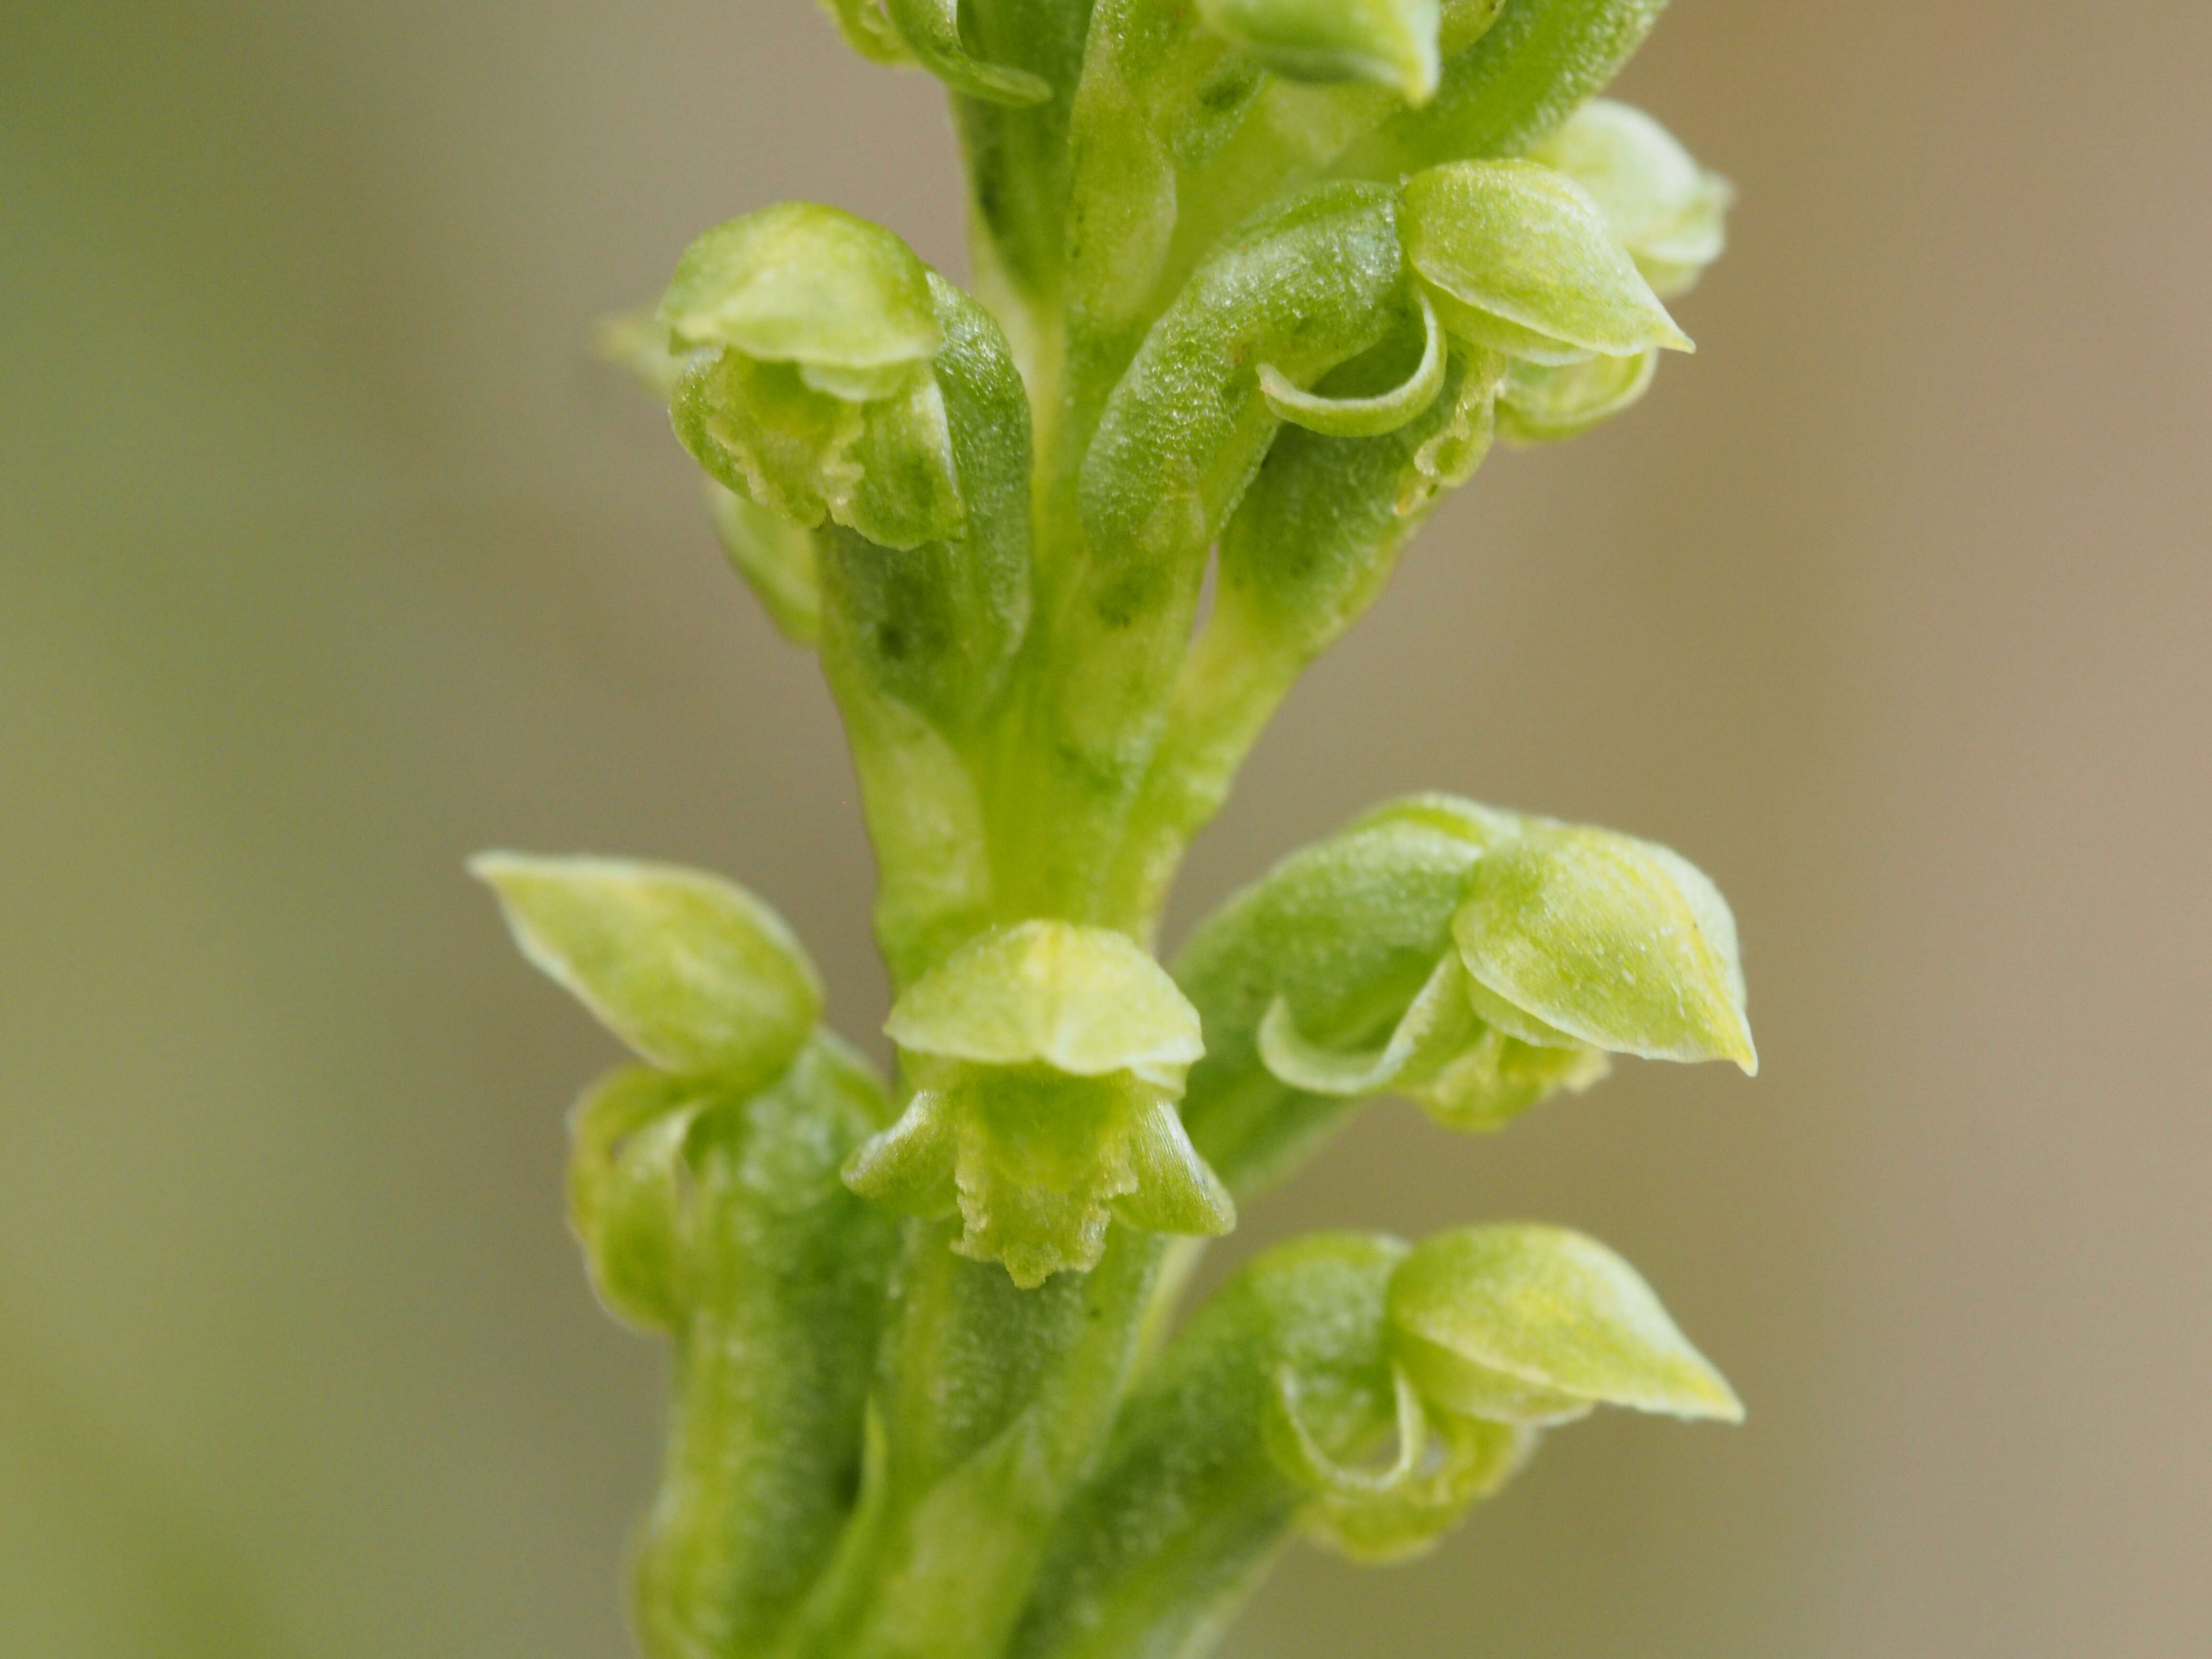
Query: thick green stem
[[996, 1404]]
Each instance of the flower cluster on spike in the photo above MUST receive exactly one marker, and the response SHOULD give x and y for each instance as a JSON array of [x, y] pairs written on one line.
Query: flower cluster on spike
[[1257, 283]]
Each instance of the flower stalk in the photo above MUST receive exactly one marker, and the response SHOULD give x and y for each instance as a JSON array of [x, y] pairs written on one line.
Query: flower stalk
[[1258, 283]]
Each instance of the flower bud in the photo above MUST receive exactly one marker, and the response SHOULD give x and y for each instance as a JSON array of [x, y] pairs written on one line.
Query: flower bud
[[1048, 1058], [1518, 258], [1667, 211], [1391, 43], [1531, 1325], [693, 972]]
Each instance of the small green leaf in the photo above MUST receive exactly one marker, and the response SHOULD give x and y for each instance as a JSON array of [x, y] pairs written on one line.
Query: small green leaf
[[1542, 404], [1527, 1324], [693, 972], [1667, 211], [1370, 417], [1391, 43], [1084, 1001], [1574, 935], [1518, 258]]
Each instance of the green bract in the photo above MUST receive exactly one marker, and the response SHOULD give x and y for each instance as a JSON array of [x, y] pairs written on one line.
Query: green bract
[[1258, 285]]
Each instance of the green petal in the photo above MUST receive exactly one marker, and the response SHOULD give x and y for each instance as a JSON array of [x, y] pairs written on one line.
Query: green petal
[[1498, 1078], [625, 1193], [1082, 1000], [1371, 416], [1391, 43], [693, 972], [1667, 211], [1437, 1025], [908, 1167], [884, 468], [1441, 1466], [1540, 404], [1176, 1192], [1529, 1324], [1520, 259], [800, 284], [1576, 935]]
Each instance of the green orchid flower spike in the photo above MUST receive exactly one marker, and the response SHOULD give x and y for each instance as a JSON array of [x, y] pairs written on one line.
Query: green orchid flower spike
[[1259, 283]]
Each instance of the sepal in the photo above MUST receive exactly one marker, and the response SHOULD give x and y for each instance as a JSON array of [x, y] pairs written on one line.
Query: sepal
[[1047, 1058], [1572, 935], [1542, 404], [691, 971], [777, 558], [1391, 43], [1668, 212], [626, 1192], [1531, 1325], [845, 300], [1443, 1465], [1520, 259]]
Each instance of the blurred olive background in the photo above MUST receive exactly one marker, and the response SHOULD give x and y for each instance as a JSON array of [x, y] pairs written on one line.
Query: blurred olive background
[[326, 557]]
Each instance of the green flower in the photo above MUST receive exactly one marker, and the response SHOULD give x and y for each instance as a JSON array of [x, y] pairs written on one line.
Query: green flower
[[1047, 1060]]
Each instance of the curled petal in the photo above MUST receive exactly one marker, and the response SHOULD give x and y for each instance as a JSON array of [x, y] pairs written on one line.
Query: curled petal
[[1364, 417], [1440, 1468], [1038, 1164]]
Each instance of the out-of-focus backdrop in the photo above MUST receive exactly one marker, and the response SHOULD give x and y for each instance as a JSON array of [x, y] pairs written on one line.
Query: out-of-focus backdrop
[[326, 557]]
